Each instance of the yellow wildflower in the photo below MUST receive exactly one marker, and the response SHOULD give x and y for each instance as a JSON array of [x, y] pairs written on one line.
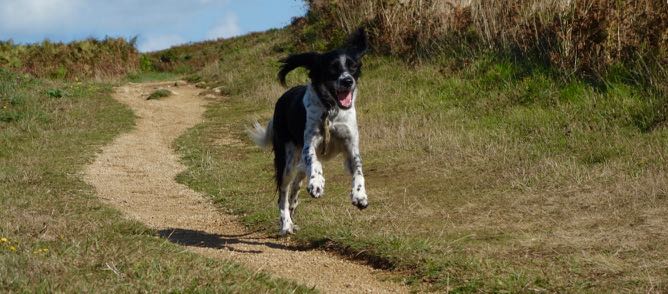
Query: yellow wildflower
[[12, 248], [3, 240], [41, 250]]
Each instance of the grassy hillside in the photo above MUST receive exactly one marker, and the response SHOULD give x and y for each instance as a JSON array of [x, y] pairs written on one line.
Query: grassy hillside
[[492, 175], [55, 235]]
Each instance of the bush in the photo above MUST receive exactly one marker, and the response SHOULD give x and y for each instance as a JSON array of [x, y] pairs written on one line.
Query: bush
[[583, 37], [91, 58]]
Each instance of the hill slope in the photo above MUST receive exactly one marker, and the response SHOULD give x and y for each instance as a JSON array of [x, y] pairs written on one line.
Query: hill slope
[[491, 175], [55, 234]]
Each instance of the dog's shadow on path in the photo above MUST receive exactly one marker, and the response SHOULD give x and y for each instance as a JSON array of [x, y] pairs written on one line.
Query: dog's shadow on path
[[203, 239]]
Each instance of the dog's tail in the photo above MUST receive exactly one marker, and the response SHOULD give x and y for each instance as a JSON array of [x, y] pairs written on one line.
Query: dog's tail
[[260, 135]]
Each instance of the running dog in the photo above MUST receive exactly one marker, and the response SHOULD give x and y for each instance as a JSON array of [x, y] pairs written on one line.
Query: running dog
[[316, 122]]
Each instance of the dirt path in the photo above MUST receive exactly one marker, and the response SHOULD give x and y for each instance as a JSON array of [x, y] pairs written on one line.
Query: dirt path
[[136, 174]]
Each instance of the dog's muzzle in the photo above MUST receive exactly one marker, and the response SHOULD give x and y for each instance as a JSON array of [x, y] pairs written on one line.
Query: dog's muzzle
[[344, 91]]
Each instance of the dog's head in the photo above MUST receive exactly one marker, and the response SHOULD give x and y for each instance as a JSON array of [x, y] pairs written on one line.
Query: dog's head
[[333, 74]]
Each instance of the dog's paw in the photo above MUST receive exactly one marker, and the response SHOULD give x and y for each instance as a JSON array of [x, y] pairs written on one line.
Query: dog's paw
[[286, 229], [286, 226], [316, 186], [359, 198]]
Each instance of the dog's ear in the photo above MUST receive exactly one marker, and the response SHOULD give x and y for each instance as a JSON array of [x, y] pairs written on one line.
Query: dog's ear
[[358, 43], [307, 60]]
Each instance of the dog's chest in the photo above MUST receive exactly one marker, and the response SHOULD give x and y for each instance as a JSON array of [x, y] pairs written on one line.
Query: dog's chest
[[340, 131], [340, 125], [336, 134]]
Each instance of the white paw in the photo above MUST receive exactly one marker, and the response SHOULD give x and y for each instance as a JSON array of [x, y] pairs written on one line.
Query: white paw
[[287, 228], [316, 186], [286, 231], [359, 198]]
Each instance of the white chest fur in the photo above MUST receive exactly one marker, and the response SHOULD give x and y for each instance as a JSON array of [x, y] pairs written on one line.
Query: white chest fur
[[341, 125]]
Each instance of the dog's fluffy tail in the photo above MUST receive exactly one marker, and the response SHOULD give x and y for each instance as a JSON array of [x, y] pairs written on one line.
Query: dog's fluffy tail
[[261, 135]]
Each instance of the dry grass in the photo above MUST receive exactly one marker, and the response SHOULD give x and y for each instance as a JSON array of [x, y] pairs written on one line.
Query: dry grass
[[55, 235], [79, 60], [584, 36], [499, 176]]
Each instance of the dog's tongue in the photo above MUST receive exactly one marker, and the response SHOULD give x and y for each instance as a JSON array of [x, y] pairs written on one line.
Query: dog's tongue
[[345, 98]]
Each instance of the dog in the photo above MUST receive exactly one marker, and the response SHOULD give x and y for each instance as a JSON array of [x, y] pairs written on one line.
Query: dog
[[316, 122]]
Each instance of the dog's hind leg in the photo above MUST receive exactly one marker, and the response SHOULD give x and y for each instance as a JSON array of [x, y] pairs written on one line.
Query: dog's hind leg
[[295, 186], [284, 190]]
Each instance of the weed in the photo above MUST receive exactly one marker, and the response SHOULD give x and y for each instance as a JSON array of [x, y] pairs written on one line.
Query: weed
[[55, 93], [145, 64], [160, 93]]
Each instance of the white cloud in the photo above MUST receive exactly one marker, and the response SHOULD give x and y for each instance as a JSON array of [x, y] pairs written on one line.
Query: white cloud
[[153, 43], [227, 27], [158, 23], [62, 19], [25, 15]]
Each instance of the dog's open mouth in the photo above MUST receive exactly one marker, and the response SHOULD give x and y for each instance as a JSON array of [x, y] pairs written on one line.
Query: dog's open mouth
[[345, 98]]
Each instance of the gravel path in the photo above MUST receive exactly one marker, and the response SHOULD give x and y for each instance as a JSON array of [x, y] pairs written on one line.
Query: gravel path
[[136, 172]]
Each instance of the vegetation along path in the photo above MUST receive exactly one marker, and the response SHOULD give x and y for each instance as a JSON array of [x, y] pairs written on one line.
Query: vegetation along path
[[136, 175]]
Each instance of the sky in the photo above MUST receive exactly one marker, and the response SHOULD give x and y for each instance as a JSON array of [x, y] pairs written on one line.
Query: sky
[[158, 24]]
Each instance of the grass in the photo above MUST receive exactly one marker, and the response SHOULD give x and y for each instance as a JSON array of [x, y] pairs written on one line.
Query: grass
[[109, 58], [158, 94], [587, 38], [496, 176], [55, 235], [151, 76]]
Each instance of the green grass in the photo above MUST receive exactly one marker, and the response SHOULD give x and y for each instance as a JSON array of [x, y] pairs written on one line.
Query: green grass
[[151, 76], [55, 235], [495, 177], [158, 94]]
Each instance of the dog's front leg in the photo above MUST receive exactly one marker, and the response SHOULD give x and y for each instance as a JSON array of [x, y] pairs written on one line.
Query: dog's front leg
[[315, 178], [354, 166]]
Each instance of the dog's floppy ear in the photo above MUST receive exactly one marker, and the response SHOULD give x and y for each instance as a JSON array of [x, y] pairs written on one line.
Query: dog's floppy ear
[[307, 60], [358, 43]]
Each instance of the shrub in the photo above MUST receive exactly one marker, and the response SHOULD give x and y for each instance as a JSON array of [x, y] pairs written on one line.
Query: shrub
[[91, 58], [160, 93], [584, 37]]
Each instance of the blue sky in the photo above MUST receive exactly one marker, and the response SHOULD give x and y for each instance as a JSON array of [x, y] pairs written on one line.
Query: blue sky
[[158, 24]]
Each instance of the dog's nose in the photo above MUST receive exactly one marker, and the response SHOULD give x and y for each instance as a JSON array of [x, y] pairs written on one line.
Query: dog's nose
[[347, 82]]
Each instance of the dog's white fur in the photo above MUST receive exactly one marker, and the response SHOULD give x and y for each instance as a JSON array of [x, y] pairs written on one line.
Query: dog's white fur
[[306, 163], [261, 135]]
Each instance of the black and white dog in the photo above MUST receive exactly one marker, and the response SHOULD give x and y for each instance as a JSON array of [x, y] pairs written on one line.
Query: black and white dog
[[315, 122]]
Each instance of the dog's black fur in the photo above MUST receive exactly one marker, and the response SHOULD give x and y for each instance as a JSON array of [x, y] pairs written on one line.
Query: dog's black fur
[[288, 126], [323, 69]]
